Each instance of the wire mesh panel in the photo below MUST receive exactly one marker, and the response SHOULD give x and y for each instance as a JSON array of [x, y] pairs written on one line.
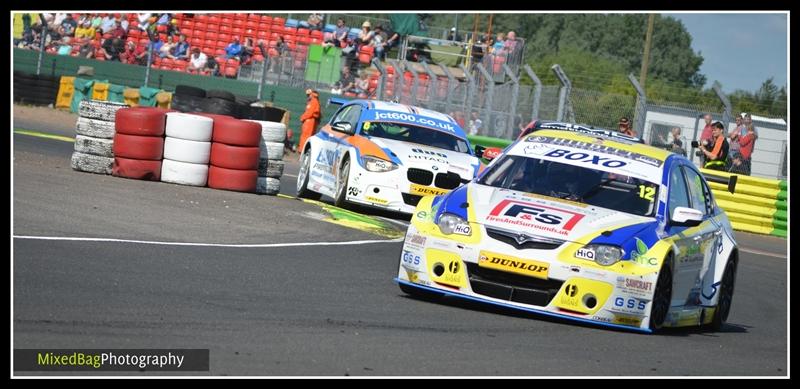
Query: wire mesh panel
[[601, 109]]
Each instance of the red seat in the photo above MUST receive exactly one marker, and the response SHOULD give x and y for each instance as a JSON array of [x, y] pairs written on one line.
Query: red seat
[[262, 35], [303, 31], [212, 36], [187, 23], [201, 18], [349, 94], [315, 41], [366, 49], [209, 43], [200, 26], [219, 52], [222, 44], [237, 31], [212, 27], [225, 21], [143, 41], [279, 20], [316, 34], [231, 72], [272, 52], [162, 36], [238, 23], [254, 17], [258, 58], [251, 24], [196, 42], [213, 18], [161, 28], [266, 19], [224, 37], [188, 32], [364, 58], [199, 34], [265, 27], [133, 33], [225, 29], [289, 30]]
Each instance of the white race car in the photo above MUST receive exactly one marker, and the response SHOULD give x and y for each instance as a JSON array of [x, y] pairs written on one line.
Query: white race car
[[385, 155], [581, 224]]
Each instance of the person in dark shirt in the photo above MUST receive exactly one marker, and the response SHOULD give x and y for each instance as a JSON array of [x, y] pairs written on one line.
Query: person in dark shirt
[[717, 156]]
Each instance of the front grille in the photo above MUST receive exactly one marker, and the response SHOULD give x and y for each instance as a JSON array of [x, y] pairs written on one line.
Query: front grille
[[448, 180], [411, 199], [532, 242], [512, 287], [419, 176]]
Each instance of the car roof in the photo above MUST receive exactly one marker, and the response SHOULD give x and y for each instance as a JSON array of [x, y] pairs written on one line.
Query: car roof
[[391, 107], [618, 142]]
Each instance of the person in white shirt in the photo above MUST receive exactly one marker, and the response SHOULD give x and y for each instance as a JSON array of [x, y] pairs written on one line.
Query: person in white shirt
[[197, 61]]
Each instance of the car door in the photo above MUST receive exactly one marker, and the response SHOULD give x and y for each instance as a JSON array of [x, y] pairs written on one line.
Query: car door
[[351, 116], [702, 243], [324, 162]]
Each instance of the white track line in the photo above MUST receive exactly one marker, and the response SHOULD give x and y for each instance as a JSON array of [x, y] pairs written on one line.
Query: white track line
[[264, 245], [288, 175], [759, 252]]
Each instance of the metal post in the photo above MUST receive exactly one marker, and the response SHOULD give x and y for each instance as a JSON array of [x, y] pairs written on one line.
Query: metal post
[[489, 95], [149, 62], [641, 103], [537, 92], [514, 97], [433, 83], [397, 71], [451, 85], [382, 80], [470, 86], [563, 93], [45, 34], [726, 115], [414, 83], [265, 65]]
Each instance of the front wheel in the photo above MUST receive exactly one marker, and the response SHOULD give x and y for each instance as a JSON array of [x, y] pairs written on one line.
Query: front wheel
[[303, 177], [341, 185], [725, 297], [662, 298]]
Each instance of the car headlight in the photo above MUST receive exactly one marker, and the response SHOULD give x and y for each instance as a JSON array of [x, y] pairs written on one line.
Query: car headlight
[[601, 254], [378, 165], [453, 224]]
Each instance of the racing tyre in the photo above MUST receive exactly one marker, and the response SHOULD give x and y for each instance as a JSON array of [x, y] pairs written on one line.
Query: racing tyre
[[302, 178], [231, 179], [94, 146], [271, 131], [183, 173], [221, 94], [188, 151], [185, 103], [188, 90], [141, 121], [341, 185], [273, 150], [91, 163], [725, 296], [234, 157], [137, 169], [138, 147], [101, 110], [268, 186], [270, 168], [95, 128], [236, 132], [218, 106], [662, 296], [189, 127], [419, 293]]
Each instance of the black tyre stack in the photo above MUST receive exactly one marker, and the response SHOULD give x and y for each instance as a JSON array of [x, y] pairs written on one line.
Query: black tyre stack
[[35, 90], [94, 139]]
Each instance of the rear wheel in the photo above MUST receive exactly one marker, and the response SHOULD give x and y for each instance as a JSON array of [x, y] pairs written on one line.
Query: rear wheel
[[341, 184], [725, 296], [302, 178], [662, 296]]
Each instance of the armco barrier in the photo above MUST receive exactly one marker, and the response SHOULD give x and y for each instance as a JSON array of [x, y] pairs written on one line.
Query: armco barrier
[[758, 205], [291, 99]]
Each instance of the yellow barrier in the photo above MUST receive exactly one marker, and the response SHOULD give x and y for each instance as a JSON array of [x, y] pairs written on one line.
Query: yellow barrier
[[163, 99], [760, 191], [746, 209], [100, 91], [131, 96], [65, 92], [758, 204]]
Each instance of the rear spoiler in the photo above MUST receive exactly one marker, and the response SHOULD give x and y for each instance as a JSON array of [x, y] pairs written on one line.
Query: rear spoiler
[[724, 180], [337, 101]]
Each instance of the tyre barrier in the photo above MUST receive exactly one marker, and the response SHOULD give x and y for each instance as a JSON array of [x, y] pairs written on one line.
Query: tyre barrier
[[218, 106], [138, 169], [141, 121], [221, 94], [188, 151], [232, 179], [35, 90], [272, 150], [184, 173], [139, 147], [91, 163], [189, 91], [139, 143], [271, 131], [268, 186], [234, 157], [101, 110], [236, 132], [94, 146], [190, 127], [187, 103], [270, 168], [95, 128]]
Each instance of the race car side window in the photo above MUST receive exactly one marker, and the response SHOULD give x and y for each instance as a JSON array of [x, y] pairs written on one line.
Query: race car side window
[[697, 192], [352, 115], [339, 117], [678, 193]]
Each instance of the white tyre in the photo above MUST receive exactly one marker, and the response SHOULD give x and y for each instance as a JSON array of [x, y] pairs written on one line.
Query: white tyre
[[101, 110], [270, 168], [94, 146], [273, 150], [95, 128], [268, 185], [188, 151], [91, 163], [190, 127], [271, 131], [184, 173]]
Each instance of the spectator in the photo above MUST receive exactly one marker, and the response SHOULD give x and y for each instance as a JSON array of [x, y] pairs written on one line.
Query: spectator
[[453, 35], [97, 21], [64, 46], [247, 50], [475, 123], [212, 67], [676, 145], [497, 45], [315, 21], [735, 134], [477, 50], [107, 24], [84, 17], [510, 44], [310, 118], [361, 84], [339, 34], [87, 49], [705, 136], [197, 61], [164, 19], [118, 31], [393, 39], [134, 55], [347, 80], [181, 49], [85, 31], [625, 127], [742, 160], [717, 156], [123, 22], [365, 35], [234, 49], [113, 49], [166, 49], [68, 25], [379, 41], [144, 21], [337, 88]]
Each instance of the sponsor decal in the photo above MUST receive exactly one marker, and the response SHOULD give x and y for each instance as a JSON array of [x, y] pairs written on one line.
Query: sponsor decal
[[422, 215], [629, 305], [586, 158], [601, 319], [411, 118], [416, 240], [536, 149], [327, 157], [320, 169], [542, 217], [462, 229], [512, 264], [427, 155], [635, 287], [377, 200], [353, 191], [584, 253], [569, 297], [599, 147], [638, 255], [627, 320], [411, 259], [426, 190], [492, 152]]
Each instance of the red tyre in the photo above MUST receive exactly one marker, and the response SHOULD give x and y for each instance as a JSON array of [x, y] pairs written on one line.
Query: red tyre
[[231, 179], [138, 147], [234, 157], [142, 121], [236, 132], [136, 169], [214, 116]]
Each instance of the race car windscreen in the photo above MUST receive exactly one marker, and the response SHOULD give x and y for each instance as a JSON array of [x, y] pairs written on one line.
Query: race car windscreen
[[409, 133], [571, 182]]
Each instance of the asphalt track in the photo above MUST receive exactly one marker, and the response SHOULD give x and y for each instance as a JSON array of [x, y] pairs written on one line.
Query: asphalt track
[[312, 310]]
